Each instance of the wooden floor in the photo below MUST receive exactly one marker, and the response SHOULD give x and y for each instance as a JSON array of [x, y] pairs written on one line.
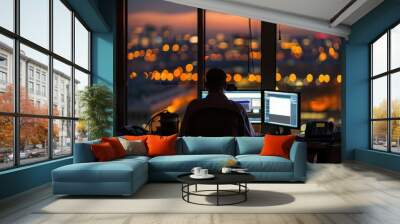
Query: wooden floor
[[377, 188]]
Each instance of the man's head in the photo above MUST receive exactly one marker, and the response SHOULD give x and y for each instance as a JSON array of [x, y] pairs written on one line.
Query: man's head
[[215, 80]]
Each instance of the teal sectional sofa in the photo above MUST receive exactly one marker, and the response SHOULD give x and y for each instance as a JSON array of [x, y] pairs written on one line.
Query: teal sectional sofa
[[125, 176]]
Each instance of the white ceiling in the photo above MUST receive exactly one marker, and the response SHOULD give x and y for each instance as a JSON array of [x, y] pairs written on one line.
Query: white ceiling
[[315, 15], [318, 9]]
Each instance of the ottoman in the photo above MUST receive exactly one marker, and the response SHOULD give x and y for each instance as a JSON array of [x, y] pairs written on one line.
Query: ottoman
[[119, 177]]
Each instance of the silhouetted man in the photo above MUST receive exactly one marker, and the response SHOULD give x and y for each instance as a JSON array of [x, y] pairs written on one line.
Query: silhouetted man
[[203, 116]]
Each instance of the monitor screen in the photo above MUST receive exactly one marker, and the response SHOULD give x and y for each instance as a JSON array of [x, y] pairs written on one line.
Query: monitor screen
[[282, 108], [250, 100]]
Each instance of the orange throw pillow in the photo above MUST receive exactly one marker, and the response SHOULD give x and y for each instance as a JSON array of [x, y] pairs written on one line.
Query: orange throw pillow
[[277, 145], [135, 138], [116, 145], [161, 145], [103, 152]]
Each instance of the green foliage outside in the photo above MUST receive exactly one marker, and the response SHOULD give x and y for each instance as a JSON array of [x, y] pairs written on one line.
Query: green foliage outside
[[96, 102]]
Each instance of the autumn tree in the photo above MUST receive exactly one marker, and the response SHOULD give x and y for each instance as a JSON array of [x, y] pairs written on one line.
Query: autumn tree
[[6, 122], [380, 127], [33, 131]]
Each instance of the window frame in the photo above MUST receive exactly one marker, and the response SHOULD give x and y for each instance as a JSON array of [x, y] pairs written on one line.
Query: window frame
[[388, 74], [16, 114]]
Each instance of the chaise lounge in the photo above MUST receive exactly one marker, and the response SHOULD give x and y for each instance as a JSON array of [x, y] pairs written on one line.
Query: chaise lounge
[[125, 176]]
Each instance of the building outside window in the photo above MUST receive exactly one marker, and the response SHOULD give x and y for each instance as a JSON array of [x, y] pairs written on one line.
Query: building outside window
[[55, 97], [43, 90], [30, 87], [36, 144], [385, 95], [30, 72], [38, 89], [37, 74], [3, 72], [3, 61], [3, 78]]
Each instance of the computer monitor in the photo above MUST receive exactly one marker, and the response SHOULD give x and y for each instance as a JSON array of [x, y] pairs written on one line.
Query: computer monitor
[[250, 100], [282, 108]]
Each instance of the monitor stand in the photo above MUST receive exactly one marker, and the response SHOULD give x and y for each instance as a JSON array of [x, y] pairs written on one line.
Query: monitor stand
[[276, 130]]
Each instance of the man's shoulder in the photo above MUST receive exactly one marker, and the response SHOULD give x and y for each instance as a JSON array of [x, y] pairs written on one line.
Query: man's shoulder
[[195, 102], [238, 106]]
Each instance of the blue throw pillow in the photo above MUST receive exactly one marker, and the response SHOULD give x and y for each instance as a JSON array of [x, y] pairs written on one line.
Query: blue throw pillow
[[249, 145], [207, 145]]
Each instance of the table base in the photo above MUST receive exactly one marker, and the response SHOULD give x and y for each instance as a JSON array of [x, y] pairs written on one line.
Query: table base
[[241, 191]]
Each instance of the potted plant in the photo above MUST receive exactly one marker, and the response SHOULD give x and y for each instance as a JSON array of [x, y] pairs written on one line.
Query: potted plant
[[96, 103]]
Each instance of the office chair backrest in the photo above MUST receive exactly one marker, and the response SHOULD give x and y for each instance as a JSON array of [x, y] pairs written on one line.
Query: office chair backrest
[[214, 122], [319, 130]]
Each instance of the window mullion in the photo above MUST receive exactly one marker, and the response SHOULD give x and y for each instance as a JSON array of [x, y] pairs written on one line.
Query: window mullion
[[371, 92], [73, 82], [16, 85], [89, 55], [389, 104], [201, 14], [50, 81]]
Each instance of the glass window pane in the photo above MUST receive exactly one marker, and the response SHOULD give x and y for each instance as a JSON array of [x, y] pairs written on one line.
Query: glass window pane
[[395, 47], [162, 58], [379, 98], [379, 135], [35, 21], [227, 47], [62, 29], [34, 78], [379, 56], [81, 45], [395, 95], [81, 131], [33, 140], [62, 138], [81, 82], [6, 142], [310, 63], [6, 74], [62, 89], [395, 136], [7, 14]]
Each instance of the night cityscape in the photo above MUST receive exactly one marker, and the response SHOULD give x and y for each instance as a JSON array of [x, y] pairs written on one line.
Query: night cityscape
[[162, 63]]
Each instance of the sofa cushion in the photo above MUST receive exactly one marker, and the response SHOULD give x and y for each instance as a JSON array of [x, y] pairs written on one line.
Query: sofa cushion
[[133, 158], [135, 147], [185, 163], [257, 163], [161, 145], [249, 145], [135, 138], [116, 145], [277, 145], [103, 152], [112, 171], [206, 145]]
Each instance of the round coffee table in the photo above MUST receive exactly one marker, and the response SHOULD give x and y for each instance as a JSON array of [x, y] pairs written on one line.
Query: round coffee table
[[238, 179]]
